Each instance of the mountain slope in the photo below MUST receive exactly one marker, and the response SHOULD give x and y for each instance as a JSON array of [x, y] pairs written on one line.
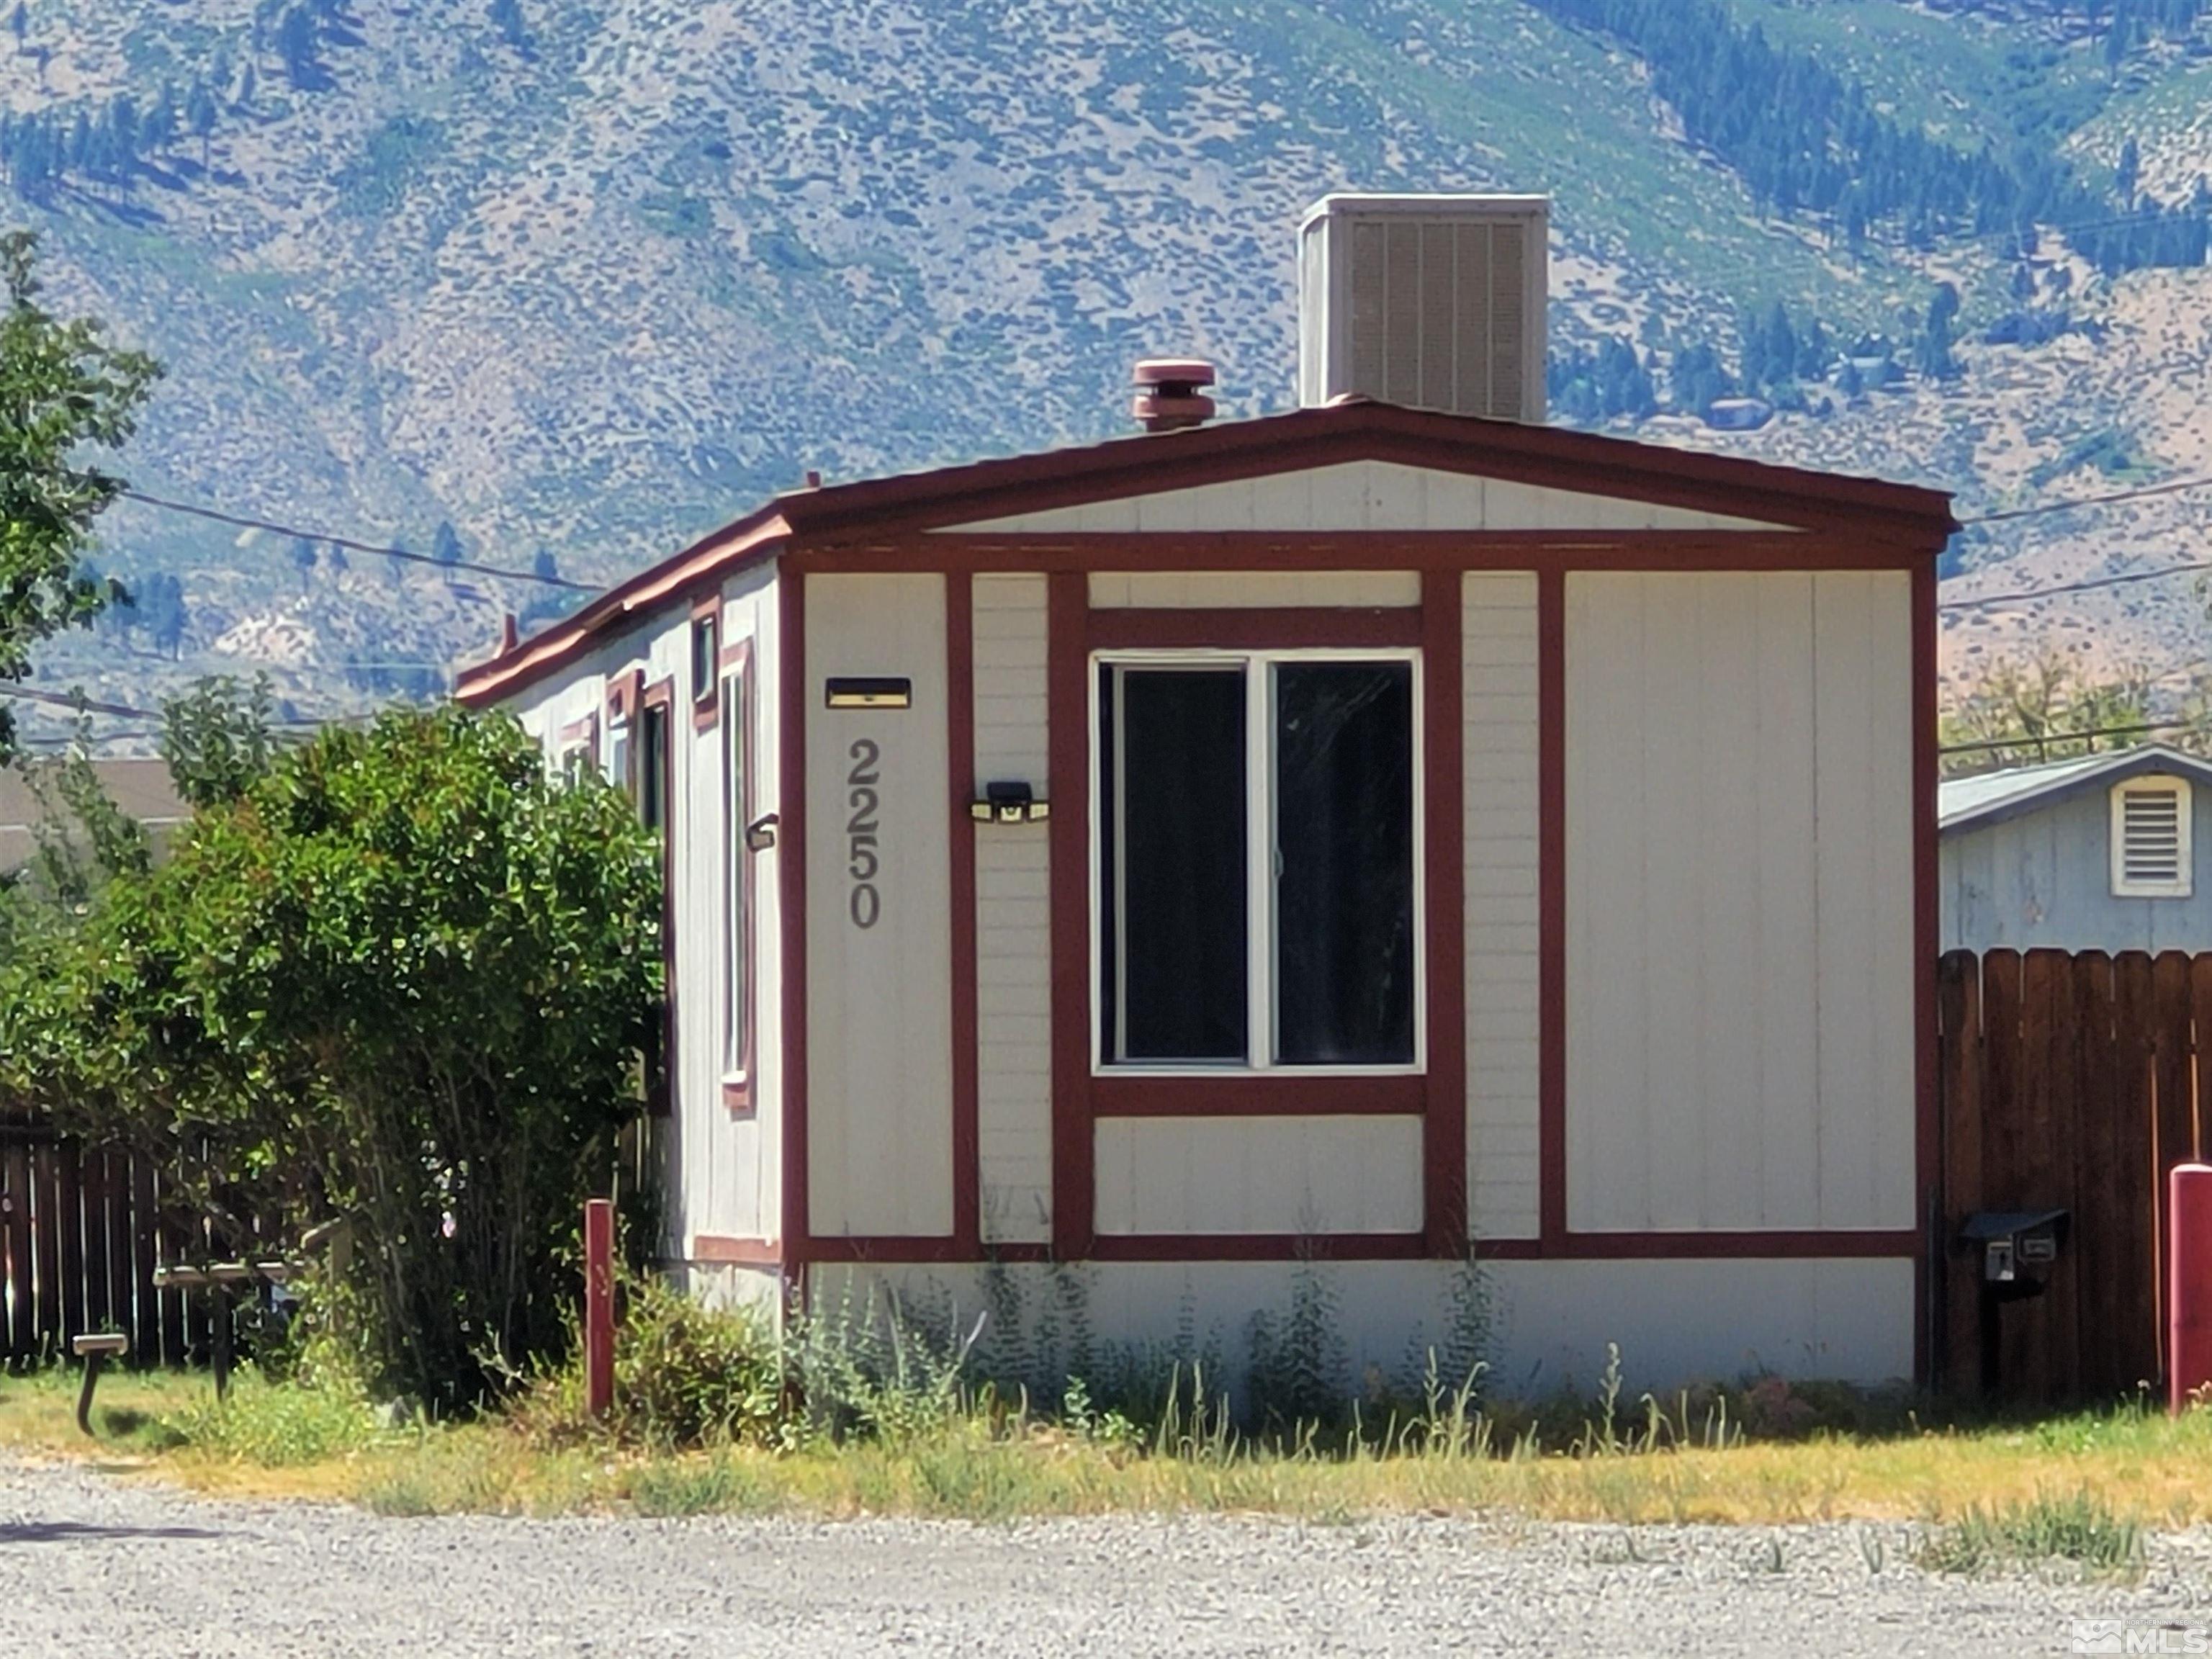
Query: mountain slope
[[594, 275]]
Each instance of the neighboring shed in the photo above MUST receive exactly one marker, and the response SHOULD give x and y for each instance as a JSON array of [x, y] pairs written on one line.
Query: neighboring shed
[[1333, 842], [140, 788], [2093, 853]]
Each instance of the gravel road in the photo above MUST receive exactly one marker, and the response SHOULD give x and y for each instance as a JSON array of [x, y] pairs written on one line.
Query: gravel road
[[91, 1564]]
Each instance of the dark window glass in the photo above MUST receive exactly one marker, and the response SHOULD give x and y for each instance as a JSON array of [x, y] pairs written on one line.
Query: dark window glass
[[1173, 856], [703, 665], [653, 768], [1344, 863]]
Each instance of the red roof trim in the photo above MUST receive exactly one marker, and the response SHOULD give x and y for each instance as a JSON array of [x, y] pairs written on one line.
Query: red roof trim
[[710, 558], [1229, 450]]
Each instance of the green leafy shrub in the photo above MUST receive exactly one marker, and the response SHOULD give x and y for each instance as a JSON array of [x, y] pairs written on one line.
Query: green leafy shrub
[[401, 977], [685, 1376]]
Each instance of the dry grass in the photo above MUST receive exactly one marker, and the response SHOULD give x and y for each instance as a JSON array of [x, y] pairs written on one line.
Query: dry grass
[[2130, 1465]]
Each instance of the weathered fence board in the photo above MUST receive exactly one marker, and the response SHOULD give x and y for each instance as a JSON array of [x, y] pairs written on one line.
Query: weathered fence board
[[81, 1232], [2068, 1082]]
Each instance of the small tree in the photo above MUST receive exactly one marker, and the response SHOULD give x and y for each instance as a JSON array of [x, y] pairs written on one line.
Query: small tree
[[63, 389], [217, 739], [2026, 711], [401, 978], [200, 118]]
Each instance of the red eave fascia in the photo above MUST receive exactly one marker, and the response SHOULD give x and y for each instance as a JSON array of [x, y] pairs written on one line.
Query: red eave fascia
[[1364, 429], [1353, 430], [709, 559]]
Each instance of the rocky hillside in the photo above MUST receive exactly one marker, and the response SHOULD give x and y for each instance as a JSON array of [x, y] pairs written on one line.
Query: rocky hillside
[[581, 278]]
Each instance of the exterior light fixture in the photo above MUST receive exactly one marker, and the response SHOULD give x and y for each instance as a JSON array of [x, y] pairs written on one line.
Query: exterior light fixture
[[1009, 802]]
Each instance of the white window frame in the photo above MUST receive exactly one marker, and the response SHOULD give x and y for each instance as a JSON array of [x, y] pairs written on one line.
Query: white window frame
[[1260, 1014], [2184, 792]]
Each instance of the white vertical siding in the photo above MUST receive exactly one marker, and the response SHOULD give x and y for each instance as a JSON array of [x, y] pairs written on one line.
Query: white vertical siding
[[1215, 590], [1259, 1175], [1863, 784], [1366, 495], [1740, 951], [722, 1170], [732, 1177], [878, 996], [1498, 632], [1014, 917]]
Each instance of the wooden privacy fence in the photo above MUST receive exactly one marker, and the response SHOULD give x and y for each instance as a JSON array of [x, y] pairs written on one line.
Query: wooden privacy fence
[[2069, 1081], [81, 1230]]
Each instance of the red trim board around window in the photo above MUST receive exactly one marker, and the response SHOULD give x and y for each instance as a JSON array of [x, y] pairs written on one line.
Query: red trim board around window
[[1068, 788], [706, 694], [736, 660], [960, 754], [1286, 1093], [578, 736]]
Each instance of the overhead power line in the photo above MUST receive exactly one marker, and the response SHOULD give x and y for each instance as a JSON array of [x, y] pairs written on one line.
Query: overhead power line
[[406, 555], [2087, 585], [2173, 487], [2047, 739], [82, 705]]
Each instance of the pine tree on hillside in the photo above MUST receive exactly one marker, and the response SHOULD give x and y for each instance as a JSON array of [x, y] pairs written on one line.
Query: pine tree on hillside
[[242, 98], [157, 127], [18, 23], [200, 117], [445, 546], [1932, 356], [297, 39], [507, 17], [303, 557], [2128, 173], [162, 612]]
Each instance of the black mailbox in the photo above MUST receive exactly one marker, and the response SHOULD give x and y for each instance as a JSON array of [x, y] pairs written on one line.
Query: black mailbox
[[2014, 1252], [2017, 1246]]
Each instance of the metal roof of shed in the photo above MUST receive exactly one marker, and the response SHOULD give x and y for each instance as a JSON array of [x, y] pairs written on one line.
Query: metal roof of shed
[[1990, 797]]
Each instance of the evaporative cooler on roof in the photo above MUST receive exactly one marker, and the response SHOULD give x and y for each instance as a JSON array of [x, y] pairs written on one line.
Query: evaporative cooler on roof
[[1433, 301]]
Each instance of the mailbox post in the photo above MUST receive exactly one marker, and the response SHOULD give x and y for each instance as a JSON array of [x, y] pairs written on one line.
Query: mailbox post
[[2014, 1251]]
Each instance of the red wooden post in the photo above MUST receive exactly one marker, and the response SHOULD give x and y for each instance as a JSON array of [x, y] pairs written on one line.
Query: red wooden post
[[2189, 1283], [599, 1305]]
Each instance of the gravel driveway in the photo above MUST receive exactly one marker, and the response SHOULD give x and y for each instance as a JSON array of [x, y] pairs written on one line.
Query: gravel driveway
[[93, 1565]]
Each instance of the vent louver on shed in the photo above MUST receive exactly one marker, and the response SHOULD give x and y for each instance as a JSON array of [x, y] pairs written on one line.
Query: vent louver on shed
[[1433, 301], [2151, 838]]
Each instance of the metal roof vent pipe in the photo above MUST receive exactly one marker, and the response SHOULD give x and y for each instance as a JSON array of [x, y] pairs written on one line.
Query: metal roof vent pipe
[[1168, 397]]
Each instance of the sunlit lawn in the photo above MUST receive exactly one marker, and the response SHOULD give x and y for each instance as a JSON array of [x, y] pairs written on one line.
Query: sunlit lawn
[[293, 1441]]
